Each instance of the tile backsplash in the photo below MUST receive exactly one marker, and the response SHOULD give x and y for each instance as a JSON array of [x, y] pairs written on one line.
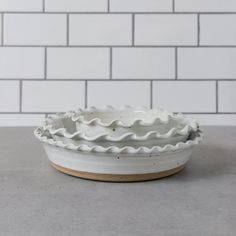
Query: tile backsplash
[[58, 55]]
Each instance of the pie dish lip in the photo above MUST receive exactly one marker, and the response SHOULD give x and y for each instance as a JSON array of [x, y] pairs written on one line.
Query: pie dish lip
[[191, 125], [39, 134]]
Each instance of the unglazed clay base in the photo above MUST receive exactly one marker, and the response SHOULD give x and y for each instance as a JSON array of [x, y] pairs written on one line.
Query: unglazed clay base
[[116, 177]]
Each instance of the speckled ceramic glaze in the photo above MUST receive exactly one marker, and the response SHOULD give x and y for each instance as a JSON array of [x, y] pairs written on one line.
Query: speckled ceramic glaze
[[121, 166]]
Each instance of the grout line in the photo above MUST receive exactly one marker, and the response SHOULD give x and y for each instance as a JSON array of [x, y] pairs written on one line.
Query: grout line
[[119, 46], [33, 46], [20, 96], [176, 63], [198, 30], [118, 13], [217, 97], [191, 113], [173, 5], [151, 94], [108, 6], [86, 94], [22, 113], [210, 113], [45, 62], [133, 29], [101, 79], [67, 29], [111, 61], [43, 2]]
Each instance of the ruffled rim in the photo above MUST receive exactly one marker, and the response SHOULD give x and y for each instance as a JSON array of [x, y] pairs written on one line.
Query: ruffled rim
[[163, 116], [194, 139], [191, 125]]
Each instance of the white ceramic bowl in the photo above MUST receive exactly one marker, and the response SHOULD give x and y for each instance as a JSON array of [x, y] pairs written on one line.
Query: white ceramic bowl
[[124, 116], [121, 125], [117, 168], [117, 164]]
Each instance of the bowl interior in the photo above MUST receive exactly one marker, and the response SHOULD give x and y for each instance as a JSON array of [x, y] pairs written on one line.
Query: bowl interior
[[93, 130], [127, 115]]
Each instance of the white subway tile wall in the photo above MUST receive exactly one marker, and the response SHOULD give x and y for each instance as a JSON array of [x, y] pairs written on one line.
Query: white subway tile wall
[[35, 29], [205, 5], [22, 62], [216, 119], [47, 96], [9, 96], [21, 5], [185, 96], [227, 96], [101, 29], [78, 63], [1, 29], [143, 63], [76, 5], [141, 5], [173, 29], [218, 29], [206, 63], [58, 55], [135, 93]]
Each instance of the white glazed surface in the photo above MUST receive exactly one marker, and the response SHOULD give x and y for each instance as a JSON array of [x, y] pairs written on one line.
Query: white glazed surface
[[120, 124], [116, 164]]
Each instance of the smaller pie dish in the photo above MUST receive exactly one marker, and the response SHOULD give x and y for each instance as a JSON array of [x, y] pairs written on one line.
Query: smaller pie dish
[[121, 125]]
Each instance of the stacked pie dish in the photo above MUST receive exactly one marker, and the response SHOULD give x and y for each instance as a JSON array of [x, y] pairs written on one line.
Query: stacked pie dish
[[121, 144]]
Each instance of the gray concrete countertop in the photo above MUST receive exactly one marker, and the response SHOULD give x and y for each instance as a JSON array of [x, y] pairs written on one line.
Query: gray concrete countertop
[[35, 199]]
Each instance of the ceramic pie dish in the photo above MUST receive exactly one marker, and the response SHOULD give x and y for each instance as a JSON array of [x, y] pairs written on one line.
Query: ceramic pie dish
[[121, 124], [116, 164]]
